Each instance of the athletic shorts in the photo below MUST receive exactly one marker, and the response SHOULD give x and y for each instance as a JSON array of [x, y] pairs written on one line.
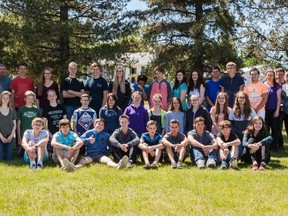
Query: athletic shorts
[[96, 156]]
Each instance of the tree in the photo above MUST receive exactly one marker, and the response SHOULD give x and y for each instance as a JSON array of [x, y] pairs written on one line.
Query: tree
[[190, 34], [52, 33]]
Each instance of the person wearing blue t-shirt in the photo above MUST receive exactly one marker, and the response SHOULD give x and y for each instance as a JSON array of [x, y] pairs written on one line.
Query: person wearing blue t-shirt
[[213, 87], [141, 87]]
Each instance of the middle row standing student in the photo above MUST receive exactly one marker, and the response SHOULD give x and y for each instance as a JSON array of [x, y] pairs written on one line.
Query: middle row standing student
[[157, 114]]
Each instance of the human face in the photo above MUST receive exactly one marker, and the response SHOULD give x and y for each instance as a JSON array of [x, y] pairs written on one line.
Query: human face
[[22, 70], [254, 76], [85, 102], [270, 76], [95, 71], [200, 127], [124, 122], [159, 75], [157, 102], [137, 99], [52, 97], [151, 130], [215, 74], [174, 128], [72, 70], [194, 101], [5, 99], [231, 70], [280, 76], [241, 99], [2, 71], [99, 126], [176, 104], [65, 129], [258, 125], [29, 100], [180, 76], [221, 99], [37, 126], [194, 76], [226, 131], [119, 73], [111, 102], [286, 77], [47, 74], [141, 82]]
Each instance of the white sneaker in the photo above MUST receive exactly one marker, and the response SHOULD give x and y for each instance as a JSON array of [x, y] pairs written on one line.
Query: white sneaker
[[233, 163], [200, 164], [69, 167], [211, 163], [122, 163]]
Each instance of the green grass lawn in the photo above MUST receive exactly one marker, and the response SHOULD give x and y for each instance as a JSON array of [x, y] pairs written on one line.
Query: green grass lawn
[[101, 190]]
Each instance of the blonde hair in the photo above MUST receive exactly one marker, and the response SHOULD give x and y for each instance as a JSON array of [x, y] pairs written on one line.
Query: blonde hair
[[5, 93], [29, 93], [117, 82], [72, 64]]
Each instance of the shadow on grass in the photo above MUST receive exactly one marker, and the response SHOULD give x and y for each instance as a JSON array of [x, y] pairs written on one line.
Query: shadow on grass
[[280, 154]]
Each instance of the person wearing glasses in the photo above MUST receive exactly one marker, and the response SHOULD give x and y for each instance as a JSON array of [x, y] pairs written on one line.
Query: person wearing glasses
[[66, 143], [34, 143], [120, 87]]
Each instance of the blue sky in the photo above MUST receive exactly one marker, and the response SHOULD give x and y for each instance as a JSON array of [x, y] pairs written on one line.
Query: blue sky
[[136, 4]]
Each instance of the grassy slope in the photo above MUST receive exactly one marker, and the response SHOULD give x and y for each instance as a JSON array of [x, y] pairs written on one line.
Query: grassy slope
[[101, 190]]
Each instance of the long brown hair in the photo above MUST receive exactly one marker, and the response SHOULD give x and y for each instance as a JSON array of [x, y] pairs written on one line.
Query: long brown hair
[[247, 106], [250, 129], [42, 81], [114, 97], [225, 108]]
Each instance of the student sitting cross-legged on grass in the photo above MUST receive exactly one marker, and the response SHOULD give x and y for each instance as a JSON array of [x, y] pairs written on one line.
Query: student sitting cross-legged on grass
[[34, 142], [256, 140], [97, 146], [123, 141], [175, 143], [204, 145], [151, 146], [228, 143], [66, 143]]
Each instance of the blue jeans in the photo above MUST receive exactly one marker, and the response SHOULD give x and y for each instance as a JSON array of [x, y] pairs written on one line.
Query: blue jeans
[[199, 154], [6, 150], [70, 110]]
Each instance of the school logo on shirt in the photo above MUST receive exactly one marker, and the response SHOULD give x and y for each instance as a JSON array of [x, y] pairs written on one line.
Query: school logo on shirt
[[85, 121], [30, 114]]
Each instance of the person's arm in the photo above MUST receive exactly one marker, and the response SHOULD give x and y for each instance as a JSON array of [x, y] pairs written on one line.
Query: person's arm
[[12, 131], [202, 93], [78, 143], [113, 139], [25, 145], [223, 144], [105, 93], [194, 142], [279, 91], [263, 102], [19, 132], [241, 87], [209, 101], [183, 94], [12, 98], [67, 94], [45, 127], [134, 139], [267, 140]]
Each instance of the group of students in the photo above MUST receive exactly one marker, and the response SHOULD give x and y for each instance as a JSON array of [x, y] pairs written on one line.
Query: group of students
[[112, 119]]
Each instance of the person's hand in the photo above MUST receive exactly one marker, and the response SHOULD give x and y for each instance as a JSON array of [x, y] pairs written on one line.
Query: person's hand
[[9, 139], [253, 148], [91, 139], [276, 114], [178, 147], [124, 147], [3, 139]]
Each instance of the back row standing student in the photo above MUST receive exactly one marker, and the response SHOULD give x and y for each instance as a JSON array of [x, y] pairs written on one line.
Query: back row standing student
[[232, 83], [72, 89], [20, 85], [120, 87], [213, 87], [160, 86], [141, 87], [97, 87], [180, 88], [5, 81]]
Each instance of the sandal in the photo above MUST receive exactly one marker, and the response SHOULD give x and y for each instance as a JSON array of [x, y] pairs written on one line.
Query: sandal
[[262, 167]]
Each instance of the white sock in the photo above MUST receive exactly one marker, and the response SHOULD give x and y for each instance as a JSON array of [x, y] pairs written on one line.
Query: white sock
[[40, 163], [32, 163]]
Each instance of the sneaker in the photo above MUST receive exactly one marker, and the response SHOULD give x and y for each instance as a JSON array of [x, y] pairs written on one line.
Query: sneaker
[[173, 165], [146, 166], [200, 164], [262, 166], [224, 165], [69, 167], [54, 158], [255, 167], [129, 165], [122, 163], [154, 166], [281, 148], [233, 163], [33, 167], [211, 163], [39, 166], [179, 165]]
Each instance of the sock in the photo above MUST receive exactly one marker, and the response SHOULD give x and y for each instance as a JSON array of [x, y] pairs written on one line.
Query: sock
[[40, 163]]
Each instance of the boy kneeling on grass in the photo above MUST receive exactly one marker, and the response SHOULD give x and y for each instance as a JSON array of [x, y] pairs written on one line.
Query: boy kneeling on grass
[[175, 143], [204, 145], [34, 142], [151, 146], [97, 146], [66, 143], [228, 143]]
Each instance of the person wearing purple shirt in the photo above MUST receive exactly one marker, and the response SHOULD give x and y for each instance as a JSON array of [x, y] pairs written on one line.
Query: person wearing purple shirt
[[137, 113], [272, 108]]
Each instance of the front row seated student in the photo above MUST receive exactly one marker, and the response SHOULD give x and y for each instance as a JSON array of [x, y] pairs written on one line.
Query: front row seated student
[[204, 146], [66, 143], [175, 143], [124, 141], [34, 142], [256, 140], [97, 146], [228, 143], [151, 146]]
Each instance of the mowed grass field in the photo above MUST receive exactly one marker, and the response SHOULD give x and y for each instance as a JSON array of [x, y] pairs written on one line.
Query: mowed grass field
[[102, 190]]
